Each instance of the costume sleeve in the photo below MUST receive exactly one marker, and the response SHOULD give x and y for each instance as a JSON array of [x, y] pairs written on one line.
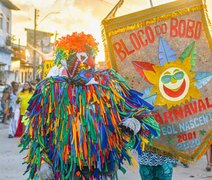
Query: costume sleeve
[[132, 105], [78, 126]]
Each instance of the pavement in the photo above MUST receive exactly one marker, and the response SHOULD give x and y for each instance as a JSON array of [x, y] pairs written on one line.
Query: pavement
[[11, 167]]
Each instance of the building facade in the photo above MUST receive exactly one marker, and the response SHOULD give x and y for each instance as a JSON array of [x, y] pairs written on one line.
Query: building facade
[[5, 39], [20, 64], [43, 50]]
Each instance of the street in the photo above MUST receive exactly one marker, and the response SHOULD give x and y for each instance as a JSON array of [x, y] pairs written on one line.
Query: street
[[11, 167]]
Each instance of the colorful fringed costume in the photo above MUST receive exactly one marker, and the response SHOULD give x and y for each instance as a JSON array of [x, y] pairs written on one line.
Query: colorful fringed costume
[[74, 119]]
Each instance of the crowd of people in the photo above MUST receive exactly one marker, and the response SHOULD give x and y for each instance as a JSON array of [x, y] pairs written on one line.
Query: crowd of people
[[14, 102]]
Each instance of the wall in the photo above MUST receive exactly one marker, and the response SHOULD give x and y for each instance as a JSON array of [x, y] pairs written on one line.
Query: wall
[[21, 73], [6, 15]]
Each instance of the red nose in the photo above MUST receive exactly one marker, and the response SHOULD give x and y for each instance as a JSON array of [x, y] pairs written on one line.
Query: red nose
[[91, 62]]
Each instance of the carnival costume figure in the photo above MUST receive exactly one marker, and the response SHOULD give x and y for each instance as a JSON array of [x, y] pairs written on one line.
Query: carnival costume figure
[[82, 122]]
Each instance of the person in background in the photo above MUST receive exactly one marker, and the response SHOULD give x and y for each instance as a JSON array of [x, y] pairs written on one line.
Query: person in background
[[5, 100], [13, 109], [209, 158], [154, 166], [23, 98], [183, 164], [35, 82]]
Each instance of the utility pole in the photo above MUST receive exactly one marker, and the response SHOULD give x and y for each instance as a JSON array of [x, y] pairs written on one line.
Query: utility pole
[[36, 23], [151, 3], [19, 48], [55, 36], [35, 39]]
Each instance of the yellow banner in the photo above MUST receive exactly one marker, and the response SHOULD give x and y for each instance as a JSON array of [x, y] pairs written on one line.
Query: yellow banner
[[166, 53], [48, 64]]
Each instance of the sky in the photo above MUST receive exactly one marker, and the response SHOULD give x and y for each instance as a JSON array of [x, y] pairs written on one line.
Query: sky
[[67, 16]]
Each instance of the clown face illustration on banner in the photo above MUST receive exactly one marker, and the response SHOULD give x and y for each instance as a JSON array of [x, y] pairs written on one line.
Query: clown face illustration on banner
[[174, 81]]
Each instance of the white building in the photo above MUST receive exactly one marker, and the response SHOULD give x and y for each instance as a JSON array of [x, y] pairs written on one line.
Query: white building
[[5, 39]]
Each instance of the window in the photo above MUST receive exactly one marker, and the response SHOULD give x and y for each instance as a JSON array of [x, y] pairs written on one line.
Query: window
[[8, 25], [22, 77], [1, 21], [25, 76]]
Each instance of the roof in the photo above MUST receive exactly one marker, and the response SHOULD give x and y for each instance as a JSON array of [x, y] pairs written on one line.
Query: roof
[[9, 5], [23, 62], [37, 31], [2, 64], [17, 46], [5, 50]]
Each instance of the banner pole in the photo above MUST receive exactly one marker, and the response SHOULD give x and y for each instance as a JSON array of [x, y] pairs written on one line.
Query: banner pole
[[112, 13]]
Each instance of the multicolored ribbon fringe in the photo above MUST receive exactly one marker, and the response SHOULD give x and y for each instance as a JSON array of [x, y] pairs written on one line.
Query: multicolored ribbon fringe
[[74, 126]]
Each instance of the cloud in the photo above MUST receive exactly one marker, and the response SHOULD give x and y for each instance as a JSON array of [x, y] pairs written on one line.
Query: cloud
[[35, 3], [71, 18], [98, 8]]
